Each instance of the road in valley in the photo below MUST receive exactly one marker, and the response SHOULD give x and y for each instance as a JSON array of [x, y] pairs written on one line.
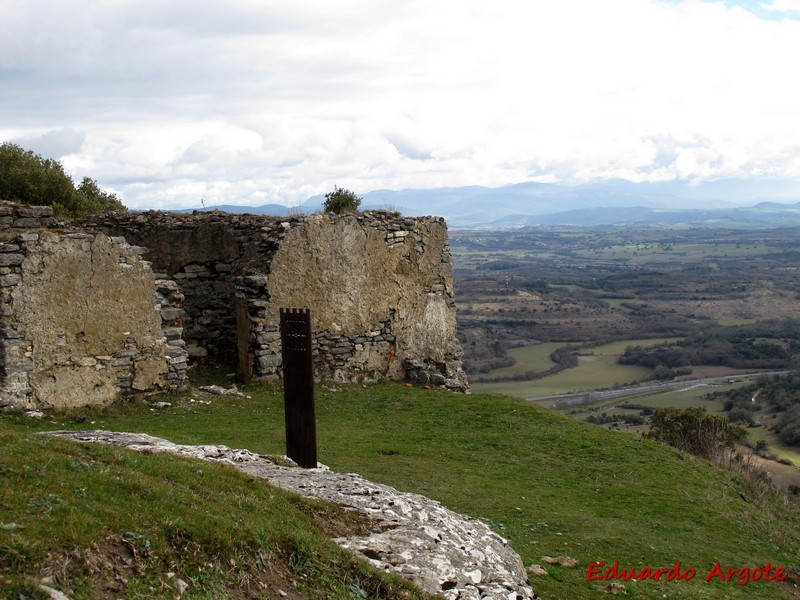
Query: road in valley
[[594, 396]]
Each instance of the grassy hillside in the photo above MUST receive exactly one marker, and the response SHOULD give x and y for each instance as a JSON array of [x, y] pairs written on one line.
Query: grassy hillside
[[553, 486], [100, 522]]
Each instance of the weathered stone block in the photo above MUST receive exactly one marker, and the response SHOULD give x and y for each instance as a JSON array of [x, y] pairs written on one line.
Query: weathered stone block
[[196, 269], [197, 351], [174, 351], [438, 379], [147, 373], [172, 333], [9, 280], [171, 314], [266, 337], [166, 286], [10, 259], [268, 361], [35, 212]]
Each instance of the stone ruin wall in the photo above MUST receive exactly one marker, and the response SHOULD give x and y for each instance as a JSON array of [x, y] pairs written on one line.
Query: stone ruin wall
[[82, 320], [86, 317], [379, 288]]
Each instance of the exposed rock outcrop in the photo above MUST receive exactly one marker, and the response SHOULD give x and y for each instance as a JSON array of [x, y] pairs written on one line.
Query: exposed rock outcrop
[[439, 550]]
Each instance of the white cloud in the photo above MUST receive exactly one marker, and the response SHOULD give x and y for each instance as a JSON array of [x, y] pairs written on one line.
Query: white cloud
[[782, 6], [249, 102], [56, 144]]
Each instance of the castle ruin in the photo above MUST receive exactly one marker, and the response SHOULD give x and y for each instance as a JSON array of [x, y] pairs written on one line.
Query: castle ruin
[[123, 303]]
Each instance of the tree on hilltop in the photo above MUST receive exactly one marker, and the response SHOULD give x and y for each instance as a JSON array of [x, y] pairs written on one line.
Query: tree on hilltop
[[28, 178], [94, 200], [341, 200]]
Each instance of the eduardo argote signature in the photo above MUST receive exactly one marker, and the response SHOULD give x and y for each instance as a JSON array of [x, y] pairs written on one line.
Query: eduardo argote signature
[[741, 576]]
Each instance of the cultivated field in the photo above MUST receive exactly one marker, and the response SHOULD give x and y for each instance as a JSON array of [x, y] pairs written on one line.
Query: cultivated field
[[523, 293], [597, 369]]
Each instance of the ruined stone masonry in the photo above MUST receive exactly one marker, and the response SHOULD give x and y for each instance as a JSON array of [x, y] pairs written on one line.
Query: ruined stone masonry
[[120, 305], [379, 288], [82, 320]]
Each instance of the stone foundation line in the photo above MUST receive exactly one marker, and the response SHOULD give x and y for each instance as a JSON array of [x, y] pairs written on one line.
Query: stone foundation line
[[440, 551]]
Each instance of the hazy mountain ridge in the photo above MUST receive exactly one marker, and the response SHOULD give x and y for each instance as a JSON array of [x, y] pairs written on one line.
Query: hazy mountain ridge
[[772, 214], [727, 202]]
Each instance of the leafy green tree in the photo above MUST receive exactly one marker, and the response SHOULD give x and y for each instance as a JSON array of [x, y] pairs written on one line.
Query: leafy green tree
[[341, 200], [96, 200], [28, 178], [694, 430]]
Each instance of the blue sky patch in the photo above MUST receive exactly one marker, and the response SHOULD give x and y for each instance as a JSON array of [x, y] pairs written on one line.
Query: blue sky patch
[[773, 10]]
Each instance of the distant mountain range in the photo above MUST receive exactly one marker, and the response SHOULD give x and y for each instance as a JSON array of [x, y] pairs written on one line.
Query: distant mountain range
[[764, 214], [735, 203]]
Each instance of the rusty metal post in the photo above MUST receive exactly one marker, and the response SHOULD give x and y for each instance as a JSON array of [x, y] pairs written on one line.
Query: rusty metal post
[[298, 387]]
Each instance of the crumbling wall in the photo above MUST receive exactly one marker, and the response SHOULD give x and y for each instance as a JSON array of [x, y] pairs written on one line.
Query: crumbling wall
[[379, 288], [205, 254], [84, 319], [381, 296], [80, 320]]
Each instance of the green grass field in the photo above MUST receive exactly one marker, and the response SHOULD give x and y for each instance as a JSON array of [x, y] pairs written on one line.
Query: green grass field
[[566, 286], [683, 398], [618, 302], [552, 485], [598, 370], [634, 254], [775, 445], [735, 322], [528, 358]]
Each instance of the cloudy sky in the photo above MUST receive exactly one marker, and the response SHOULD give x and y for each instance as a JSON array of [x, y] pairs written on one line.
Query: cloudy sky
[[256, 101]]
